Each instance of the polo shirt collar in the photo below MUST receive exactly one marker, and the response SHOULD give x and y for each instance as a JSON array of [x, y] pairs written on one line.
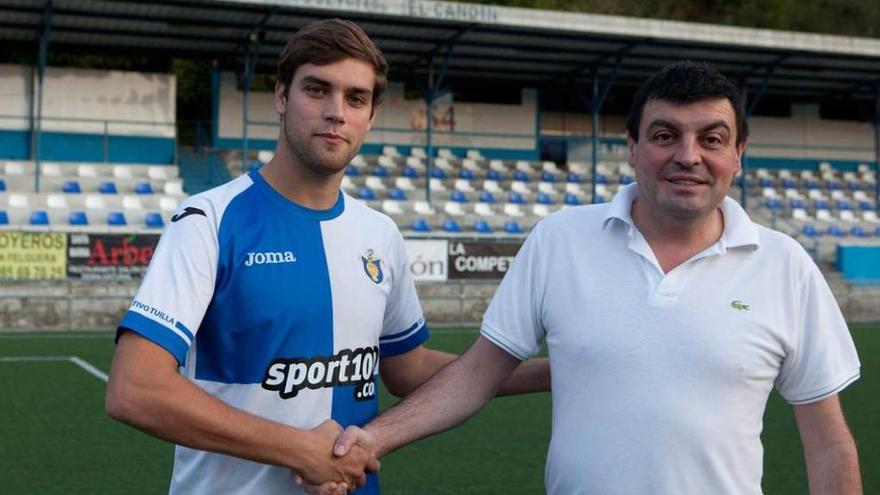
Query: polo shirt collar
[[739, 230]]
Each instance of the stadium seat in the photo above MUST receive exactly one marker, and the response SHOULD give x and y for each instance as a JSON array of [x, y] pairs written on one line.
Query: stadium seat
[[811, 184], [352, 171], [626, 179], [515, 198], [436, 185], [835, 231], [521, 176], [453, 208], [877, 231], [392, 207], [789, 184], [544, 199], [438, 173], [71, 187], [153, 220], [420, 225], [143, 188], [380, 171], [547, 177], [599, 199], [122, 172], [464, 185], [116, 218], [159, 172], [410, 173], [173, 188], [796, 204], [397, 194], [511, 227], [601, 179], [773, 204], [859, 232], [167, 203], [450, 225], [482, 227], [4, 218], [458, 196], [466, 174], [494, 175], [486, 197], [56, 202], [18, 200], [78, 218], [39, 217], [2, 185], [107, 188], [540, 210], [810, 231], [424, 208], [375, 183], [366, 194], [571, 199], [573, 178]]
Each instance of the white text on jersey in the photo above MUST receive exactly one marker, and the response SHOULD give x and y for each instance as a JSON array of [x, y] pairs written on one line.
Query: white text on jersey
[[269, 257]]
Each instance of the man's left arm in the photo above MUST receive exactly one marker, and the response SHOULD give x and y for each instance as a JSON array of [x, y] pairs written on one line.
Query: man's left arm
[[829, 449], [405, 372]]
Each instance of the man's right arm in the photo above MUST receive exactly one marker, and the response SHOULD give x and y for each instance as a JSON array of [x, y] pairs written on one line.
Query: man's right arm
[[146, 391], [451, 396]]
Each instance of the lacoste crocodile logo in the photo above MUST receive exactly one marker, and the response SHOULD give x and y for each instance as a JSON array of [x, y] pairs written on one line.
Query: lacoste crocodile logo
[[739, 305], [189, 210]]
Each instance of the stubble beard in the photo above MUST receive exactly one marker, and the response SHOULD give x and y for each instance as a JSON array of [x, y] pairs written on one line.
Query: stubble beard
[[304, 153]]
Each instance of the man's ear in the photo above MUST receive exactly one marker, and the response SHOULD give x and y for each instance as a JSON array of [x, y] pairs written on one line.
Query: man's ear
[[280, 98], [740, 151], [631, 145]]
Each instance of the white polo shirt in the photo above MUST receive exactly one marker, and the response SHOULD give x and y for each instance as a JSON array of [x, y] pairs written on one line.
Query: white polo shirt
[[660, 380]]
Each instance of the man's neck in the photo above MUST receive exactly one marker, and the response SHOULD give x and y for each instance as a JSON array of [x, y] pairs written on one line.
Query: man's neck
[[675, 241], [296, 183]]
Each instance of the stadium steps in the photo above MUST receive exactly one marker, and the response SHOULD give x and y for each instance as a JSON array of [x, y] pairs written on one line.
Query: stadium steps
[[201, 171]]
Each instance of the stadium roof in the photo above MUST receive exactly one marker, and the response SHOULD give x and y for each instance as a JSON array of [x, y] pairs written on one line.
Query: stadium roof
[[527, 46]]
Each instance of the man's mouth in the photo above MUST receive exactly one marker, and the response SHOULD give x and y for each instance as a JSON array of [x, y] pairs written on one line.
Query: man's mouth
[[332, 137]]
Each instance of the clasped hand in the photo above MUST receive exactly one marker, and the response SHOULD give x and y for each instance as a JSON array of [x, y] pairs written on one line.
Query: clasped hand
[[340, 460]]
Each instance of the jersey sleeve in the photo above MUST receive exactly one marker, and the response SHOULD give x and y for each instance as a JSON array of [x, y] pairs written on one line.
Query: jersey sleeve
[[179, 283], [404, 325], [823, 358], [513, 320]]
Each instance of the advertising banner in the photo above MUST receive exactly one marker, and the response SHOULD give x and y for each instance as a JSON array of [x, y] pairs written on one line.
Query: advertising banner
[[480, 260], [32, 255], [110, 257], [427, 259]]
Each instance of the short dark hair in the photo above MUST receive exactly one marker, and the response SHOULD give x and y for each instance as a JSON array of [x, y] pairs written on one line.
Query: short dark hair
[[688, 82], [329, 41]]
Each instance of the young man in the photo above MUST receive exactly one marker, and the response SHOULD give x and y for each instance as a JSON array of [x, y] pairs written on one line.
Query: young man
[[271, 300], [669, 317]]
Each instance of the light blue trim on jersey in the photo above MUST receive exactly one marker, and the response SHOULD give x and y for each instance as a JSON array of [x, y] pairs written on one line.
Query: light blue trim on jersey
[[156, 332], [185, 330], [294, 208], [400, 343]]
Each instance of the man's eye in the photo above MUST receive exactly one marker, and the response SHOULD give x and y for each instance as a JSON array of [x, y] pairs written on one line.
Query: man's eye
[[315, 90]]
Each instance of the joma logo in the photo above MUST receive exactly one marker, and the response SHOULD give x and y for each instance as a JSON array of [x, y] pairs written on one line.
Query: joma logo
[[269, 257]]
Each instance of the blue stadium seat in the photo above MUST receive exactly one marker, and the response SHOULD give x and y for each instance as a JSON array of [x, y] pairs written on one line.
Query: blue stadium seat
[[859, 232], [765, 182], [811, 184], [450, 225], [366, 194], [420, 225], [458, 196], [548, 177], [789, 184], [835, 231], [796, 203], [877, 231], [78, 218], [486, 197], [854, 186], [410, 172], [821, 204], [843, 205], [865, 205], [2, 185], [773, 204], [71, 187], [811, 231], [494, 175], [143, 188], [511, 227], [833, 185], [482, 227], [153, 220], [352, 171], [742, 181], [521, 176], [601, 178], [544, 199], [39, 217], [4, 218], [599, 199], [255, 165], [380, 171], [573, 178], [466, 174], [516, 198], [116, 218], [107, 188], [571, 199], [397, 194], [438, 173], [627, 179]]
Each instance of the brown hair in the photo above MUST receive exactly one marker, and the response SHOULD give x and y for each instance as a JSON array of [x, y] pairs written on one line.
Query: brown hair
[[328, 41]]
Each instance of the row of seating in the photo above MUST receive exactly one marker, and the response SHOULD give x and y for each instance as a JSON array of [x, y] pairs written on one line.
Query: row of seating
[[78, 218], [90, 170], [88, 201], [99, 185]]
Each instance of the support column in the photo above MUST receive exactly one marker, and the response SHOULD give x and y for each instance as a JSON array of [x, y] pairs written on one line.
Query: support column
[[251, 55], [42, 57]]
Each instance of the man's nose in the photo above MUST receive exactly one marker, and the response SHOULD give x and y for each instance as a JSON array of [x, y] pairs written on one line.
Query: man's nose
[[688, 152], [334, 108]]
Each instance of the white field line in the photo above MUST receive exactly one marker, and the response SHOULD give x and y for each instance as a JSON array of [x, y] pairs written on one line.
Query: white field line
[[88, 368], [39, 335]]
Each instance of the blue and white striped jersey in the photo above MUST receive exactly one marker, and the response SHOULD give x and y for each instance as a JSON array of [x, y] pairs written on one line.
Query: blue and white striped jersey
[[279, 310]]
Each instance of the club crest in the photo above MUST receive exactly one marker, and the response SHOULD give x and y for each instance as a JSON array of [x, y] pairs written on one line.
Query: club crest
[[373, 267]]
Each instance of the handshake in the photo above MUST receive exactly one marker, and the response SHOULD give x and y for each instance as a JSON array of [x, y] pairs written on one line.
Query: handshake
[[338, 461]]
